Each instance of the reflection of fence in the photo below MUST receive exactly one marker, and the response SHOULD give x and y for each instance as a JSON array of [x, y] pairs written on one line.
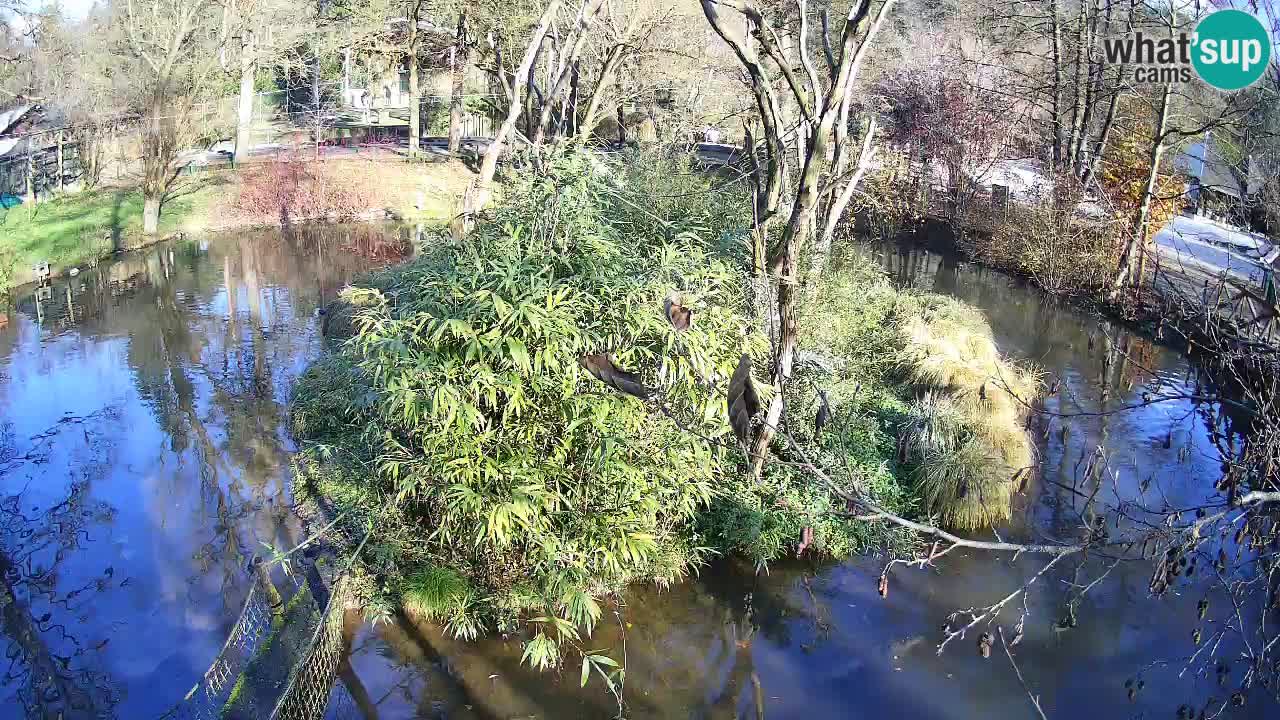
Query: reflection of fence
[[310, 693], [247, 679]]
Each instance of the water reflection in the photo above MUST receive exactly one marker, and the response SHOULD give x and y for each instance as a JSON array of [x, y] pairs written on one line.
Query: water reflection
[[144, 458]]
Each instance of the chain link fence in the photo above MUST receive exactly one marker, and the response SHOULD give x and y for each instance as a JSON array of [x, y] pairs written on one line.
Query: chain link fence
[[311, 693], [285, 652], [207, 698]]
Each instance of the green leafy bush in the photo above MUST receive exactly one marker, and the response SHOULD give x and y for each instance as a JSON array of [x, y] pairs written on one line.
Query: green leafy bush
[[8, 268], [925, 369], [514, 466], [512, 489], [847, 343]]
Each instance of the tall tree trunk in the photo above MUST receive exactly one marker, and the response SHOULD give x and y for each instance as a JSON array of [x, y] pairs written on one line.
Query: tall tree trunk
[[316, 122], [1093, 91], [1078, 89], [415, 105], [479, 194], [800, 225], [794, 237], [458, 59], [1100, 147], [530, 78], [1113, 101], [1055, 29], [30, 173], [150, 214], [244, 111], [768, 109], [841, 201], [159, 148], [62, 171], [569, 118], [608, 71], [1138, 236], [557, 84]]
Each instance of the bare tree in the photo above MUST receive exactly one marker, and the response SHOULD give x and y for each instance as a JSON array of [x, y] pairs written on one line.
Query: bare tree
[[459, 59], [481, 190], [821, 105], [174, 46], [263, 34], [564, 67]]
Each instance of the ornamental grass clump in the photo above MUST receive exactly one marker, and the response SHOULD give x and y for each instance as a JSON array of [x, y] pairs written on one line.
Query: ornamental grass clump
[[965, 433]]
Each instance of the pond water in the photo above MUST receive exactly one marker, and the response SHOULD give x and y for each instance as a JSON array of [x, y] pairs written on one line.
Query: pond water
[[145, 458]]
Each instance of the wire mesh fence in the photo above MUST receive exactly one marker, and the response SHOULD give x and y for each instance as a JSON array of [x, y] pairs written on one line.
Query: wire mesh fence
[[37, 165], [1228, 305], [38, 170], [207, 697], [284, 654], [311, 693]]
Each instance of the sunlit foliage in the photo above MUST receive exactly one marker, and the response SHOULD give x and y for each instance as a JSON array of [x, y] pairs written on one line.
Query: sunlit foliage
[[511, 464]]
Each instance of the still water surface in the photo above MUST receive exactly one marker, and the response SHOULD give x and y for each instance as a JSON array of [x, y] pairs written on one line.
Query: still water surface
[[145, 458]]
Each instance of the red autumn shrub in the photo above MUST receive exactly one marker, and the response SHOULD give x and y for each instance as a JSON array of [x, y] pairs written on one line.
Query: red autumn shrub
[[292, 190]]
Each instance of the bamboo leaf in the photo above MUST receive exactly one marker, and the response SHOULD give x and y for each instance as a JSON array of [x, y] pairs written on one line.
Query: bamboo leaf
[[604, 660], [519, 353]]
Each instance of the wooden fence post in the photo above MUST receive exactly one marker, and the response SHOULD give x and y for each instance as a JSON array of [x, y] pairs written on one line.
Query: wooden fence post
[[31, 175], [62, 174], [263, 573]]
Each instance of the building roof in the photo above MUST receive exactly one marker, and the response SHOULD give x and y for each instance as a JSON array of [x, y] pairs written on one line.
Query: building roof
[[1205, 162], [10, 116]]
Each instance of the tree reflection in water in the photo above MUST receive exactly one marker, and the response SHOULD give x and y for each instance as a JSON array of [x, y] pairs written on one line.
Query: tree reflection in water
[[126, 540], [51, 671]]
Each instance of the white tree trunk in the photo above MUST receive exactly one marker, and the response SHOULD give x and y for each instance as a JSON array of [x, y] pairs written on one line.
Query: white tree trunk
[[479, 194], [1137, 241], [415, 104], [150, 215], [244, 114]]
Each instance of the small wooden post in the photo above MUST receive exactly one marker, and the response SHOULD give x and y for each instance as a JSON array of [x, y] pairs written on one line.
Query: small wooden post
[[62, 173], [315, 583], [31, 175], [1000, 199]]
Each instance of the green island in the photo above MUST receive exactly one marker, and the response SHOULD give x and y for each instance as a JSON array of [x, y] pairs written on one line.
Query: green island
[[454, 410]]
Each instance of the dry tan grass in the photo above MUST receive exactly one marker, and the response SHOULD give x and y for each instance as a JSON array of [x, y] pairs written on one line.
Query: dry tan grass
[[966, 435]]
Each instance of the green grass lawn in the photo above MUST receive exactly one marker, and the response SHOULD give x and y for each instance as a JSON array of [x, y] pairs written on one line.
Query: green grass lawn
[[73, 229]]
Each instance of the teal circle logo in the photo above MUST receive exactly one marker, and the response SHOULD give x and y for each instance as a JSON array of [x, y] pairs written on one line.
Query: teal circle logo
[[1232, 49]]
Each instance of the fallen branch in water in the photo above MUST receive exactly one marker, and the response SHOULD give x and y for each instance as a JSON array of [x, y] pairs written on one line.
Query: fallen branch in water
[[990, 612], [1035, 701]]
